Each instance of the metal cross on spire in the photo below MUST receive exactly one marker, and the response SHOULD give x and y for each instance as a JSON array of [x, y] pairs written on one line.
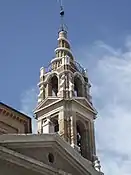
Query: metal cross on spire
[[61, 2], [63, 26]]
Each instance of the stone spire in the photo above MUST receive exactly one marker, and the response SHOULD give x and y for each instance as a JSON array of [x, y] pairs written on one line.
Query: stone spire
[[63, 48], [64, 102]]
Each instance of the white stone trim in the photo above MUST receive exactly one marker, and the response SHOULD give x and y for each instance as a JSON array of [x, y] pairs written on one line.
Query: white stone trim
[[56, 59], [63, 48], [62, 38], [51, 74], [42, 71], [46, 99], [52, 111]]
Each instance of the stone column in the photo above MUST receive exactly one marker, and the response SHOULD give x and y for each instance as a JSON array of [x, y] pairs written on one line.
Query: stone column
[[89, 141], [41, 95], [71, 86], [73, 135], [93, 139], [85, 148], [62, 125], [48, 89], [39, 126], [61, 85], [66, 86]]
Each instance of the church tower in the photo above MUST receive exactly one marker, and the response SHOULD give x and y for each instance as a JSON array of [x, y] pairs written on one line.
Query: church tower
[[64, 101]]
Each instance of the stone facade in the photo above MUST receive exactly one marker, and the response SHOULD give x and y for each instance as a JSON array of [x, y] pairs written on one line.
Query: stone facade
[[43, 154], [64, 101], [13, 121]]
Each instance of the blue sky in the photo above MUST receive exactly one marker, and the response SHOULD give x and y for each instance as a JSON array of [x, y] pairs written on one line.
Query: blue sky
[[100, 35], [28, 36]]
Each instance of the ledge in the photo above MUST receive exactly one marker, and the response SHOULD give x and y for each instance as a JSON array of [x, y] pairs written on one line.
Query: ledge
[[54, 140]]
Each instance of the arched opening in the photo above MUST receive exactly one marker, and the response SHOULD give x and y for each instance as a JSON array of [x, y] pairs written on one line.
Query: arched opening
[[78, 88], [56, 125], [81, 138], [53, 86], [78, 136], [51, 158]]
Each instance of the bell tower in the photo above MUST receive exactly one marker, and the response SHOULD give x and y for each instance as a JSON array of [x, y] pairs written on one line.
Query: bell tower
[[64, 100]]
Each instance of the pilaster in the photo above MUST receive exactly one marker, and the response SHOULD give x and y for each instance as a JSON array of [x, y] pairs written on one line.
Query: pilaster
[[62, 125], [73, 129]]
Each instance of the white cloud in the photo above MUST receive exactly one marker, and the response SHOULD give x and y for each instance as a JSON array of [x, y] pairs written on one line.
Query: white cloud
[[28, 104], [110, 74]]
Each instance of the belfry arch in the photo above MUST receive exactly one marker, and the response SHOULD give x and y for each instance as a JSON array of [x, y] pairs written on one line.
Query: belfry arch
[[78, 86], [71, 113], [53, 85], [81, 137]]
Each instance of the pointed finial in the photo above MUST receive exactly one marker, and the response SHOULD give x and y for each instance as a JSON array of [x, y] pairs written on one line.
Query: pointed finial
[[63, 26]]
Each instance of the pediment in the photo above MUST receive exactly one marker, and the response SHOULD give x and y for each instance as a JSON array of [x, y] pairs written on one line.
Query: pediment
[[85, 103], [38, 147], [45, 103]]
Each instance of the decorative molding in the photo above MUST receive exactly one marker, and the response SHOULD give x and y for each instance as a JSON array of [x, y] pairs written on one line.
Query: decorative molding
[[5, 112], [91, 109], [63, 48], [39, 107]]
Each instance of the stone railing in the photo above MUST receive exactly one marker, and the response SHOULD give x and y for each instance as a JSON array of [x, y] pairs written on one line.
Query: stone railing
[[65, 60]]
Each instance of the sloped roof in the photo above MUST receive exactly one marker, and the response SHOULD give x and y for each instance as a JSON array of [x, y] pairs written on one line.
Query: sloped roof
[[11, 108]]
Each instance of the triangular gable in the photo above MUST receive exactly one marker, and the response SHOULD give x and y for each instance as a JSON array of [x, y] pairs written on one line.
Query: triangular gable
[[46, 102], [85, 103]]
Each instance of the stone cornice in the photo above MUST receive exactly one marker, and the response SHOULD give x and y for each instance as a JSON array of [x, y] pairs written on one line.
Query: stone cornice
[[58, 100], [56, 142], [11, 114], [14, 111], [15, 115], [39, 108]]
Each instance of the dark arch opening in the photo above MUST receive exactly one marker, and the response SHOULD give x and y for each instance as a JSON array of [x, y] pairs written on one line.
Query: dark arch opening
[[53, 86], [78, 136], [78, 90], [51, 157], [81, 138], [56, 125]]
